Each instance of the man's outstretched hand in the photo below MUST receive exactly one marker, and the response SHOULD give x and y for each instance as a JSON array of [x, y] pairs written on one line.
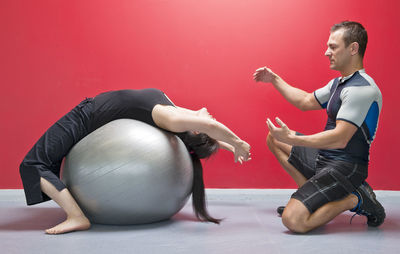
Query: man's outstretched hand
[[264, 74]]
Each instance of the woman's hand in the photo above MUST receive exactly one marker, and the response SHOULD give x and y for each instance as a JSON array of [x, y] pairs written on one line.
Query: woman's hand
[[242, 151]]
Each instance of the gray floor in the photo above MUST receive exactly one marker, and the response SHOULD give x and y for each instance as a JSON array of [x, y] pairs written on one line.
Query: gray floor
[[250, 226]]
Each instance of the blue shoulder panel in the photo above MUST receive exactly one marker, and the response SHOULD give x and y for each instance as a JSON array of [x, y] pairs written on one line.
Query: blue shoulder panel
[[371, 120]]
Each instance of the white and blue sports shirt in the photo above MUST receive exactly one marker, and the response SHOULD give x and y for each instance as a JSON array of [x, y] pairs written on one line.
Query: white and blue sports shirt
[[355, 99]]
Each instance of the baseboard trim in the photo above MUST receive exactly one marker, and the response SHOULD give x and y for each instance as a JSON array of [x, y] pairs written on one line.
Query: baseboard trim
[[213, 194]]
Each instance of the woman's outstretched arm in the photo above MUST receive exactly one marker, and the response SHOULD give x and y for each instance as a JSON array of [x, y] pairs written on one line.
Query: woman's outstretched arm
[[173, 119], [226, 146]]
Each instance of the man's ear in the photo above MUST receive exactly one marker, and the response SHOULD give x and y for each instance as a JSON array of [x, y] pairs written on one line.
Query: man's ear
[[354, 47]]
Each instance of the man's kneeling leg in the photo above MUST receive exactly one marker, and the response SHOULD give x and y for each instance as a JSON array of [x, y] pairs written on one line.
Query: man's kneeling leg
[[295, 216]]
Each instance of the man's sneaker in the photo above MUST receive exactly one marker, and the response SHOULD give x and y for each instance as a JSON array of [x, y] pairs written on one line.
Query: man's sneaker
[[369, 206], [280, 209]]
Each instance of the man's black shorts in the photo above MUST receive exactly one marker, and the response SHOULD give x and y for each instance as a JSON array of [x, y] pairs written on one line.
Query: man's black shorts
[[328, 180]]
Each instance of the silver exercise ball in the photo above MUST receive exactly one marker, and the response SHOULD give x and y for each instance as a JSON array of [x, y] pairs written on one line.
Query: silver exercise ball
[[128, 172]]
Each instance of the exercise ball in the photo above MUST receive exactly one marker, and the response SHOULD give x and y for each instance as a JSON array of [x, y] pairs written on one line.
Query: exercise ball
[[129, 172]]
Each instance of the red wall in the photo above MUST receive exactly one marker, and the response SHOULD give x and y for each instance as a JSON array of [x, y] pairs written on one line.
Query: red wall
[[201, 53]]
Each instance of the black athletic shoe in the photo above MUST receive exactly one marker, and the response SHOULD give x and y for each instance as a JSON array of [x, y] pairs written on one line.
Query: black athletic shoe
[[280, 209], [369, 206]]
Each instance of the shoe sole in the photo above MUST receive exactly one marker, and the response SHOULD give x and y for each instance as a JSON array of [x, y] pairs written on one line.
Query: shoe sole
[[280, 209], [380, 211]]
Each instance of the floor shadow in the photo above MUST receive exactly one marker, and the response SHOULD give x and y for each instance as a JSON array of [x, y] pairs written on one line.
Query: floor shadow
[[341, 224], [179, 217], [23, 219], [28, 218], [120, 228], [182, 216]]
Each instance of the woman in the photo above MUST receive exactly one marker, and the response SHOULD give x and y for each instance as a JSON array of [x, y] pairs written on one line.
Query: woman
[[201, 133]]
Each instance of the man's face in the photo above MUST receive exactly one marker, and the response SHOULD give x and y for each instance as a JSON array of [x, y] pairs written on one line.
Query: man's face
[[338, 54]]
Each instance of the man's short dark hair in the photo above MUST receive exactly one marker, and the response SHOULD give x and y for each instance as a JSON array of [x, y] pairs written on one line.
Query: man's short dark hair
[[353, 32]]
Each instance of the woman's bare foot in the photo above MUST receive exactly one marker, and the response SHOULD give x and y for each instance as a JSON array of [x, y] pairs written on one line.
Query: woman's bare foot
[[76, 219], [69, 225]]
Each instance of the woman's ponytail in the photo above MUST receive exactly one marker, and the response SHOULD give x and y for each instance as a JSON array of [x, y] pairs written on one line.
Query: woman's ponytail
[[199, 146], [198, 193]]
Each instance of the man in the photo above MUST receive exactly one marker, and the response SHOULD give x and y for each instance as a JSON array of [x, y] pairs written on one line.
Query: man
[[330, 167]]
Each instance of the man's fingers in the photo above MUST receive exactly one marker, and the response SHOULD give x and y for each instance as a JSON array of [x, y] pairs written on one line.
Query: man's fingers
[[268, 125], [269, 122], [279, 121], [282, 124], [257, 75]]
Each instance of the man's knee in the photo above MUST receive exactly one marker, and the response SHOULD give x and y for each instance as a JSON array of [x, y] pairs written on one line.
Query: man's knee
[[293, 223], [295, 218]]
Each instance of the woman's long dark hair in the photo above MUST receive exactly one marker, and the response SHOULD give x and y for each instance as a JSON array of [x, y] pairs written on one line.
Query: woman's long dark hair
[[200, 146]]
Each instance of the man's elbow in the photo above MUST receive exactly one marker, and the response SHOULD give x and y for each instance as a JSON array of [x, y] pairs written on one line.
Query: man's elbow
[[304, 105], [303, 108], [341, 144]]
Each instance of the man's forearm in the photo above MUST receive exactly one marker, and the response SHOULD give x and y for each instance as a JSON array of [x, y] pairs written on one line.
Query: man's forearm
[[329, 139], [293, 95]]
